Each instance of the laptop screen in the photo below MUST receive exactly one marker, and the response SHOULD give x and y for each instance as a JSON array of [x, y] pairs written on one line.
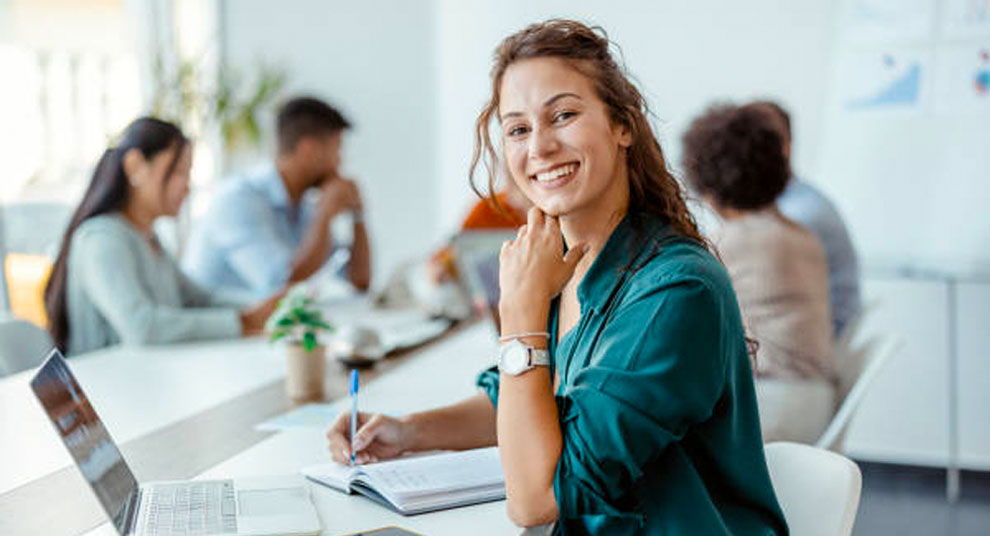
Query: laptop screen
[[84, 435], [476, 254]]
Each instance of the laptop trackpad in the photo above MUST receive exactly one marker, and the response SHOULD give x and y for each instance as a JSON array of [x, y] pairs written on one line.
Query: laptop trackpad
[[273, 502]]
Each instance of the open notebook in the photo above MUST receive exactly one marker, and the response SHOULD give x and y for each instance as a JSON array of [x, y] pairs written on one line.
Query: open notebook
[[420, 484]]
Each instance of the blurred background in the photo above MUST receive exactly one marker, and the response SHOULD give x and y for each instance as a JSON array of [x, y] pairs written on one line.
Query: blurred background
[[890, 103]]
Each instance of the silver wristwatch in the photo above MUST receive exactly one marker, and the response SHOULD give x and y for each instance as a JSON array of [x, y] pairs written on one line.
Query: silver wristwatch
[[516, 357]]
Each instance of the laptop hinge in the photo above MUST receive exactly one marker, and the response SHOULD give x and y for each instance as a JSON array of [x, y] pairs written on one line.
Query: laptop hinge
[[131, 512]]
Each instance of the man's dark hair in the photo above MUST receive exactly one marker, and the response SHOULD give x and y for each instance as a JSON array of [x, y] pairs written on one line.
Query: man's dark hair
[[734, 155], [304, 117], [780, 111]]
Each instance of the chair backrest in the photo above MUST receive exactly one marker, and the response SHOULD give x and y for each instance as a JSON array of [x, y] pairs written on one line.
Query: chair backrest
[[850, 357], [818, 490], [34, 227], [22, 345], [866, 361]]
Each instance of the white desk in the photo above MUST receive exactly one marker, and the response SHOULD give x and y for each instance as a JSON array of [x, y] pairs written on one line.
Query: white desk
[[136, 391], [139, 391], [441, 374]]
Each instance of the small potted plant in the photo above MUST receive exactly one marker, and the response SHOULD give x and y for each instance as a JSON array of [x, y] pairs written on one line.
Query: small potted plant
[[299, 321]]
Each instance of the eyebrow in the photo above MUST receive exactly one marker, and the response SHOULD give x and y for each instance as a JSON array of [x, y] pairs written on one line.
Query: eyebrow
[[546, 103]]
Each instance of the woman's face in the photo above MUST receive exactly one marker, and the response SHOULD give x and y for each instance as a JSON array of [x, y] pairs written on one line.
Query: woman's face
[[560, 146], [159, 194]]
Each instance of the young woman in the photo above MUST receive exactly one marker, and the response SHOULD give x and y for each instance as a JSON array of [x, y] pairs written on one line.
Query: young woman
[[112, 282], [643, 419]]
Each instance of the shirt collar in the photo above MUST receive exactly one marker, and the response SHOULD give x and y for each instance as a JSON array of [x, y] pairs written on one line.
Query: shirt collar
[[271, 185], [635, 240]]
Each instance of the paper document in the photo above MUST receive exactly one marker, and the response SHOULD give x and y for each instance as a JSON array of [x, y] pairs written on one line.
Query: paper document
[[418, 484]]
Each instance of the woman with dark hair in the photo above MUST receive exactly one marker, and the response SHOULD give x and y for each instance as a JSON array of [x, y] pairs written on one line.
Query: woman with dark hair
[[733, 157], [112, 282], [623, 400]]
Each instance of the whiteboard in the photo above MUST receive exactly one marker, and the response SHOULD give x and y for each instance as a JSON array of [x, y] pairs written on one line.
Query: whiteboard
[[906, 141]]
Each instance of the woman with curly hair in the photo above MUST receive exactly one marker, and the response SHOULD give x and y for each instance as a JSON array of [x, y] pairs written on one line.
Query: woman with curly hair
[[733, 157], [623, 399]]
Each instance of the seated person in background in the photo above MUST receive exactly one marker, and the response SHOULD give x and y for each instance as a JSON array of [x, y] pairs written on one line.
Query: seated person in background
[[112, 282], [733, 158], [260, 234], [806, 205]]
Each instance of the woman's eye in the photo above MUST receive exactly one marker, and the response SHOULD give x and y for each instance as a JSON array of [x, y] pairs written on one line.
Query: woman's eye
[[517, 131], [563, 116]]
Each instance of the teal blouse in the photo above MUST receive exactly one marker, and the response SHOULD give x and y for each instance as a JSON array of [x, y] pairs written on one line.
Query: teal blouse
[[656, 401]]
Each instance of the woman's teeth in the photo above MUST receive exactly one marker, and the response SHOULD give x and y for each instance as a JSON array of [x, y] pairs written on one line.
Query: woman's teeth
[[556, 173]]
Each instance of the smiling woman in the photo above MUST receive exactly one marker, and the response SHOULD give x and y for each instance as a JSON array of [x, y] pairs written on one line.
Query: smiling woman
[[623, 399]]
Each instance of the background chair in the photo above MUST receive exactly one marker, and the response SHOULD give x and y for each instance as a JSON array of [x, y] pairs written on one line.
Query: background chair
[[818, 490], [30, 234], [23, 345], [859, 361]]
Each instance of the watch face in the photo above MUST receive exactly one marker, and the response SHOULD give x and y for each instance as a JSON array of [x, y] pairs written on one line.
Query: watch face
[[515, 358]]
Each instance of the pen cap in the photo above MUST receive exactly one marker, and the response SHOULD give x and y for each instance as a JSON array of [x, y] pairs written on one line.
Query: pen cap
[[354, 381]]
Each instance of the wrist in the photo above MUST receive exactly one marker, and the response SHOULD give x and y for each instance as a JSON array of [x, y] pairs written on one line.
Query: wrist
[[523, 316], [410, 436]]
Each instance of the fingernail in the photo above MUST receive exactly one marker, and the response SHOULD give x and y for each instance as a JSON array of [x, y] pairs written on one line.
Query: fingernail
[[586, 248]]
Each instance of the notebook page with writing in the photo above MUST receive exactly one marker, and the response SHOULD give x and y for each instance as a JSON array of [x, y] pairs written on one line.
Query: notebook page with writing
[[422, 483], [436, 474]]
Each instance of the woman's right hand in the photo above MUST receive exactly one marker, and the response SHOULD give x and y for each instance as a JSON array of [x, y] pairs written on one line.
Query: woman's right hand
[[379, 437]]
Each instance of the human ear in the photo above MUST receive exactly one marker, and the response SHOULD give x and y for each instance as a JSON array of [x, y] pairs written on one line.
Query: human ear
[[624, 134], [134, 166]]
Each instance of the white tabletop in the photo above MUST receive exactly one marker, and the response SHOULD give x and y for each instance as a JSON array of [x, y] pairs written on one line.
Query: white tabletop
[[135, 390], [139, 390]]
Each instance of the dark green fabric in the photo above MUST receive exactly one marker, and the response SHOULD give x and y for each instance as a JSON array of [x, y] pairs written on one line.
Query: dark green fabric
[[657, 405]]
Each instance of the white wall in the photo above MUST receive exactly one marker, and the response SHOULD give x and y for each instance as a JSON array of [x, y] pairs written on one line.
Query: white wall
[[373, 60], [684, 54]]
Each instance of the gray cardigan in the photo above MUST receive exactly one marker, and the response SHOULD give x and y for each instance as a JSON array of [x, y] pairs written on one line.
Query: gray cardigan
[[120, 290]]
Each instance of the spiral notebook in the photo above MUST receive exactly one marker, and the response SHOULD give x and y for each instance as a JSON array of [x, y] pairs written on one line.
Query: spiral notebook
[[419, 484]]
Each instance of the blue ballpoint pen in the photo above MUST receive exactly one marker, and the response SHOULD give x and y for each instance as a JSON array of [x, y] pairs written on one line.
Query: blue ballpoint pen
[[354, 409]]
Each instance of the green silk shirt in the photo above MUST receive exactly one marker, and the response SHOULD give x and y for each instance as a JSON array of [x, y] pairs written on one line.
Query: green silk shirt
[[656, 402]]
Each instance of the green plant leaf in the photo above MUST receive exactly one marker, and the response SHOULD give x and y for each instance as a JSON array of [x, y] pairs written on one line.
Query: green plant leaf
[[309, 341]]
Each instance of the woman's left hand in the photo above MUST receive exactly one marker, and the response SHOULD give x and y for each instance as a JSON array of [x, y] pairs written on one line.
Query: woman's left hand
[[533, 268]]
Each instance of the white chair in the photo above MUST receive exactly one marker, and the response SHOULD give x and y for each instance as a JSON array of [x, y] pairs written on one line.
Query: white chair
[[818, 490], [22, 345], [858, 365]]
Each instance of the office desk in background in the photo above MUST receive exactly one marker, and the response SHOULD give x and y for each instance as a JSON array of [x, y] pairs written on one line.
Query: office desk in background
[[180, 410]]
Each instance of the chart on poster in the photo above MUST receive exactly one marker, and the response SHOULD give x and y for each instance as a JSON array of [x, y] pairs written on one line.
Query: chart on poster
[[906, 144]]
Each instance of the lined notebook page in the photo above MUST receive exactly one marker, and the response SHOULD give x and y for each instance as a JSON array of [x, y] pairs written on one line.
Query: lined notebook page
[[437, 473]]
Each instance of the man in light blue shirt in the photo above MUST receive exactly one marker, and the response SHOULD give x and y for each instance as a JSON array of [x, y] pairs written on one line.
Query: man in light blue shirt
[[271, 227], [809, 207]]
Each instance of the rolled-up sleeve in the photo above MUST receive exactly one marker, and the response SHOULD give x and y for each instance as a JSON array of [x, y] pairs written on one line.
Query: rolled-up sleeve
[[488, 383], [655, 372]]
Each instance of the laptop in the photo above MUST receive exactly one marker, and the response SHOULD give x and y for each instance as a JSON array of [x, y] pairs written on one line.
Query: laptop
[[476, 256], [256, 506]]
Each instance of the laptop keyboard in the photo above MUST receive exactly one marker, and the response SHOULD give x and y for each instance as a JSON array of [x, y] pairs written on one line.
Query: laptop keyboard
[[191, 508]]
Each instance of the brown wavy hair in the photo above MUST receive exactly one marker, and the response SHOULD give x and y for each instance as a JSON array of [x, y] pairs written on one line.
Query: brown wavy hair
[[652, 187]]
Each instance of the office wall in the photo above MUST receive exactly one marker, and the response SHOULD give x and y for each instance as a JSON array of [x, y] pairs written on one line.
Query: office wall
[[684, 54], [375, 61]]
